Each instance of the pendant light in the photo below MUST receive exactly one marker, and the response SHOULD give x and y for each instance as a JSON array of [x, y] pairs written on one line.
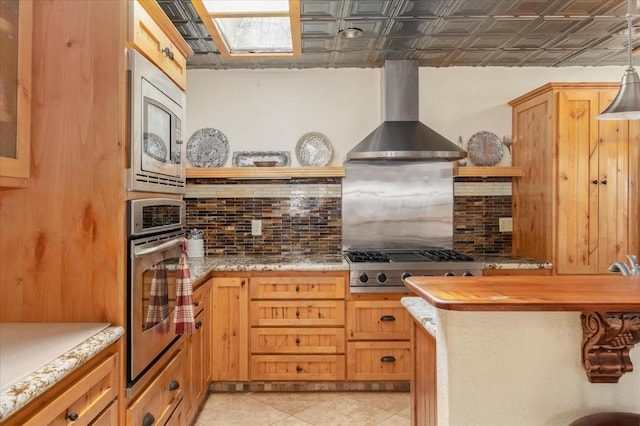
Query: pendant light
[[626, 105]]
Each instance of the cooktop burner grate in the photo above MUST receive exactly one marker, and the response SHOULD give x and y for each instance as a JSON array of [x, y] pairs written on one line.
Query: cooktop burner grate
[[426, 255]]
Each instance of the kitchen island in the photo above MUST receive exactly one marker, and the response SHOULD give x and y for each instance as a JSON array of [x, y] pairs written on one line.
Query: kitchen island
[[509, 350]]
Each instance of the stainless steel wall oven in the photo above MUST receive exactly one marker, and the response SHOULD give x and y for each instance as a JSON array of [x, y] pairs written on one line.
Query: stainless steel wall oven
[[156, 231]]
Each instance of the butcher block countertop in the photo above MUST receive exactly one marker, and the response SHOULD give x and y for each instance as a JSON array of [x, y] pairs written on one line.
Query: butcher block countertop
[[601, 293], [35, 356]]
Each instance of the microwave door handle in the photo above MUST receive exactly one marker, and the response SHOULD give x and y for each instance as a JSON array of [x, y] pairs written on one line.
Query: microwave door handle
[[158, 248]]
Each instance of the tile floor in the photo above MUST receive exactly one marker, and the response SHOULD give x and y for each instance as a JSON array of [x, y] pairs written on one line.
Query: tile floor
[[306, 409]]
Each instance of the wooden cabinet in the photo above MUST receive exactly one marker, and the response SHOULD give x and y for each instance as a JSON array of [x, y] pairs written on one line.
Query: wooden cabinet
[[15, 93], [153, 34], [577, 204], [423, 377], [158, 402], [230, 328], [198, 347], [297, 326], [378, 331], [88, 396]]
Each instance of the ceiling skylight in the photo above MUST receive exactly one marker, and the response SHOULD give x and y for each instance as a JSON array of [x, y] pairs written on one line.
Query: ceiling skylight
[[252, 28]]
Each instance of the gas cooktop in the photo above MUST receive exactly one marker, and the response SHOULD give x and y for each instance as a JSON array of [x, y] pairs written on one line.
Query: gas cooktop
[[383, 270]]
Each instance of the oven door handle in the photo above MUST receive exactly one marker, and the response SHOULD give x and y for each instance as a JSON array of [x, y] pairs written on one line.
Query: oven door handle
[[160, 247]]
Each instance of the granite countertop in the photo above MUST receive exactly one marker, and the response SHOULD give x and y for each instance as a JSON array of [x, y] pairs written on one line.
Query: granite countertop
[[35, 356], [505, 261], [422, 312], [200, 266]]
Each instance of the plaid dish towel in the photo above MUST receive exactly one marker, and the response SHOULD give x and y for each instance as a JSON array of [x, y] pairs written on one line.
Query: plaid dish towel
[[158, 297], [183, 318]]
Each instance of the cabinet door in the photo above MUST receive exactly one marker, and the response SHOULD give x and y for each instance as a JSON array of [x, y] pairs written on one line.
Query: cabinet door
[[578, 183], [230, 329], [615, 190]]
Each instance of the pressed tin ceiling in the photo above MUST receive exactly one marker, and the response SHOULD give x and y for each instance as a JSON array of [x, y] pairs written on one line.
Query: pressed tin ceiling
[[436, 33]]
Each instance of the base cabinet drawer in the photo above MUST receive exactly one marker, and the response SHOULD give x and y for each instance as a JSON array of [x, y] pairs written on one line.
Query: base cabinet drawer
[[379, 360], [297, 340], [159, 400], [85, 400], [297, 313], [378, 320], [297, 367]]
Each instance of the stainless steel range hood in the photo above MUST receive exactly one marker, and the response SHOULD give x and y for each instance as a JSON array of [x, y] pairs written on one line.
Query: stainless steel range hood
[[401, 136]]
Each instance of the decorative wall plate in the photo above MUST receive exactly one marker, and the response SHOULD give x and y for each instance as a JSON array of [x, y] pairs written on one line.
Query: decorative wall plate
[[261, 158], [314, 149], [485, 149], [208, 147]]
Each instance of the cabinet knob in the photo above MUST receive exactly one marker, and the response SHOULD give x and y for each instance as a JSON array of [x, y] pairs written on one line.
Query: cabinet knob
[[297, 289], [387, 318], [299, 369], [168, 53], [603, 181], [297, 341], [174, 385], [595, 181], [148, 419], [72, 416], [242, 283], [388, 358], [196, 303], [198, 325]]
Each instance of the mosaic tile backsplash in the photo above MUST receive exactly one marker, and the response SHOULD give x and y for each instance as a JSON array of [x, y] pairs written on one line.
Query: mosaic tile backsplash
[[478, 205], [299, 216], [304, 216]]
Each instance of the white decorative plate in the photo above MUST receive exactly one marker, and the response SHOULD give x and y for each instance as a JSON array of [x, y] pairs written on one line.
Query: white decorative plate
[[314, 149], [207, 148], [485, 149]]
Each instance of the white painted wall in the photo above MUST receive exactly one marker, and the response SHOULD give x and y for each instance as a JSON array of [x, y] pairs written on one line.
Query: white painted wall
[[271, 109], [520, 368]]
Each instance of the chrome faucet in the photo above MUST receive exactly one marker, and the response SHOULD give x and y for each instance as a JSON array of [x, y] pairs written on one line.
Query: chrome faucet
[[625, 270]]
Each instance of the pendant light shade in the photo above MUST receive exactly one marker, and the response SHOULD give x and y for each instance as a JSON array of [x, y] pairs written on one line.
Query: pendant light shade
[[626, 105]]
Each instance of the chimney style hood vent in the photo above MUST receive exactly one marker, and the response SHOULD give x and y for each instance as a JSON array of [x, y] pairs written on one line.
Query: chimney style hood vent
[[401, 137]]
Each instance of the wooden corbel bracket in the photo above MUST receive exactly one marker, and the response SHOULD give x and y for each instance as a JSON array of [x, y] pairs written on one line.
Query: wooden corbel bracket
[[606, 342]]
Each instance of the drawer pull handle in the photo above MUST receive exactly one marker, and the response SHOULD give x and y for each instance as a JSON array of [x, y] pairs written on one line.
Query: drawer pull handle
[[148, 419], [299, 369], [72, 416], [388, 358], [297, 289], [196, 303], [297, 341], [198, 325], [174, 385], [387, 318], [168, 53]]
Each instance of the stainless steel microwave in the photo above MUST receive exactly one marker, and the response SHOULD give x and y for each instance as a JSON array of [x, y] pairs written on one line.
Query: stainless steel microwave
[[157, 111]]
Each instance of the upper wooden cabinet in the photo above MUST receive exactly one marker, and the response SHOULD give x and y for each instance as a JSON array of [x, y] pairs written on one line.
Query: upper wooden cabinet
[[153, 34], [577, 203], [15, 92]]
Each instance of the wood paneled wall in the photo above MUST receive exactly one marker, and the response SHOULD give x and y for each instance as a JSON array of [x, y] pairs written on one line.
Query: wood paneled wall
[[62, 239]]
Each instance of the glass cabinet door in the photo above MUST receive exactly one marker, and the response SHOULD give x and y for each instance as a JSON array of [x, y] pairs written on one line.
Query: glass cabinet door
[[15, 90]]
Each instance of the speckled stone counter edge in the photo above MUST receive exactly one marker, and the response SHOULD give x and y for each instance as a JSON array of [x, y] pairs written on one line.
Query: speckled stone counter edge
[[21, 393], [422, 312]]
